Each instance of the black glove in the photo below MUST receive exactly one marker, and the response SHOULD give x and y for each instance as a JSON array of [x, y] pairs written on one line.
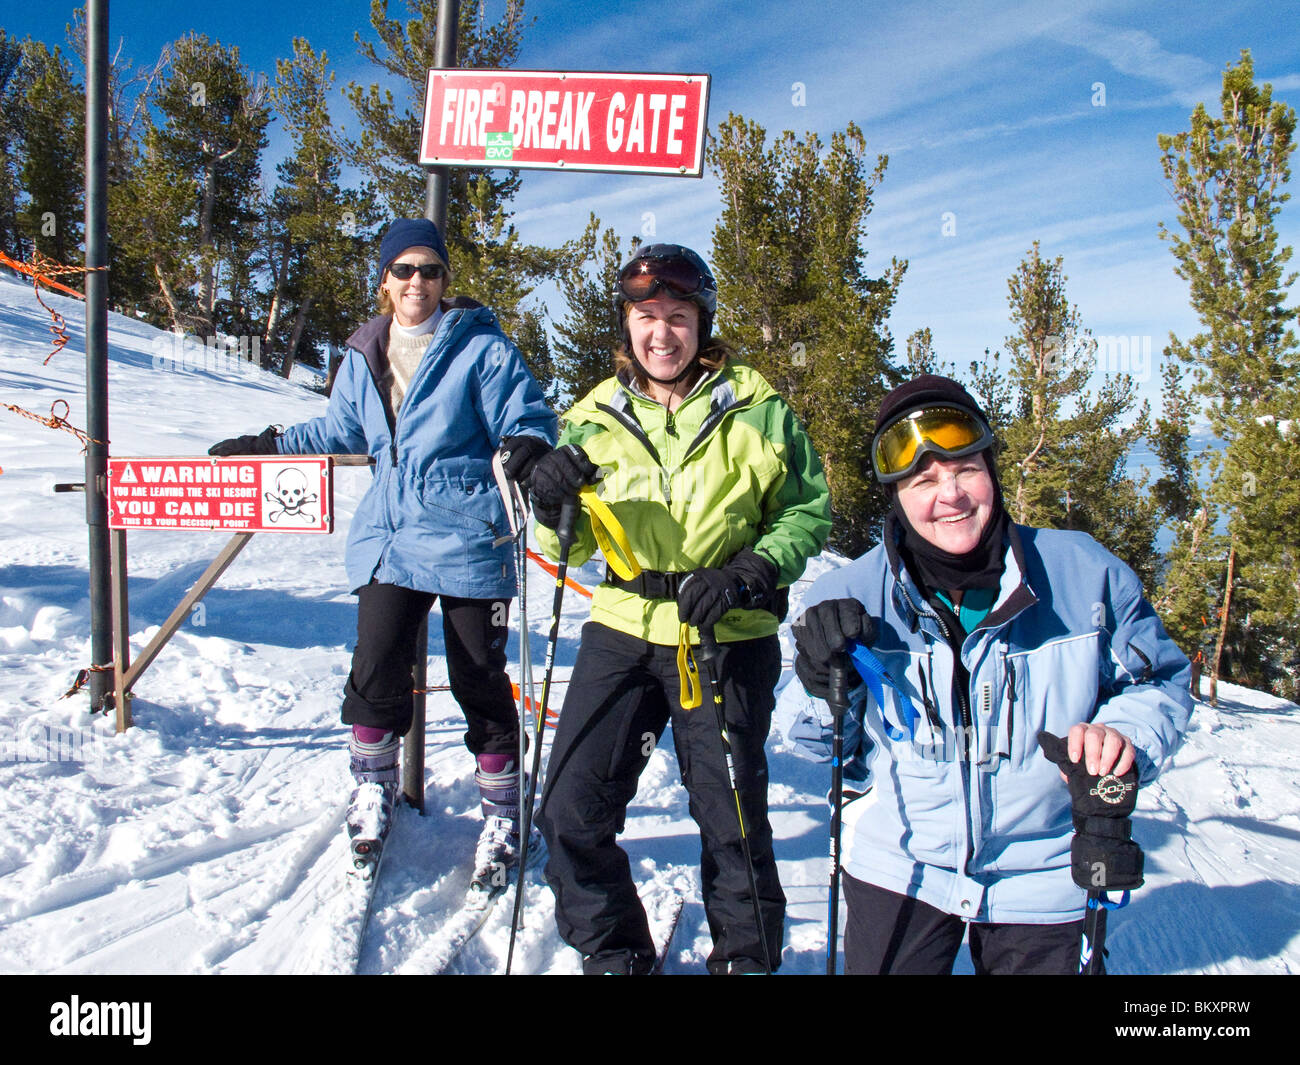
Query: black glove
[[557, 477], [1103, 854], [519, 454], [825, 630], [261, 444], [748, 581]]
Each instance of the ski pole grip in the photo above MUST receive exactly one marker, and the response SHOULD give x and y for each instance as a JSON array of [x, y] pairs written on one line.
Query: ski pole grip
[[565, 531], [838, 697], [708, 645]]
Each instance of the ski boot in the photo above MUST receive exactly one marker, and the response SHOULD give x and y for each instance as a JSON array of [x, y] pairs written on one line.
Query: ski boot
[[370, 812], [498, 844]]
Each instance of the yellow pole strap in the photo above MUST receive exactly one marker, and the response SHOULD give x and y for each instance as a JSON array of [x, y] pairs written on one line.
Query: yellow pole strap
[[687, 670], [610, 537]]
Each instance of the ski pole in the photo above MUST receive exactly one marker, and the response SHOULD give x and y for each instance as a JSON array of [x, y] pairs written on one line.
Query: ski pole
[[565, 531], [838, 701], [708, 658], [1092, 950]]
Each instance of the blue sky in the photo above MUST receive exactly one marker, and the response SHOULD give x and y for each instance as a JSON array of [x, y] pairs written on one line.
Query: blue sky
[[990, 113]]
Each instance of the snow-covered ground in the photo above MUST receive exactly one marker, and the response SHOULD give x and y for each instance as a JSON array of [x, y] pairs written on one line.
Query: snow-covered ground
[[207, 839]]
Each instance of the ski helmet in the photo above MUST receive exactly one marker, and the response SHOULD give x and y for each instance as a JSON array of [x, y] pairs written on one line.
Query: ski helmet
[[676, 271]]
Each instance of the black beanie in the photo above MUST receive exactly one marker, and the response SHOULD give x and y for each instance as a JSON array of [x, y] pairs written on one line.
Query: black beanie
[[928, 390]]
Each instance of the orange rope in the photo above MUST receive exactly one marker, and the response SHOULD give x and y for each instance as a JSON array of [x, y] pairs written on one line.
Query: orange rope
[[42, 271], [83, 675], [57, 421], [555, 572]]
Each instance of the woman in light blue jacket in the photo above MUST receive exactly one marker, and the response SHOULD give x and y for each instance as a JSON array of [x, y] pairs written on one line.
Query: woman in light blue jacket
[[988, 632], [430, 389]]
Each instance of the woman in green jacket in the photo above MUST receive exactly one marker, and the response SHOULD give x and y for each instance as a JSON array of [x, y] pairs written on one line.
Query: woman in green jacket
[[723, 500]]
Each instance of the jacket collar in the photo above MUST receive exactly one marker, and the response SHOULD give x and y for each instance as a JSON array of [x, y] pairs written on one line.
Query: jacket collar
[[371, 339], [1014, 592]]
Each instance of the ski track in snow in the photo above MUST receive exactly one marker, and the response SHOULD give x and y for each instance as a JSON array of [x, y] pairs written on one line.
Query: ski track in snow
[[209, 837]]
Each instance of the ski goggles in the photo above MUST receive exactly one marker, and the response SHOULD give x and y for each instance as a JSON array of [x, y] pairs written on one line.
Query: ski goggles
[[948, 432], [674, 275], [428, 271]]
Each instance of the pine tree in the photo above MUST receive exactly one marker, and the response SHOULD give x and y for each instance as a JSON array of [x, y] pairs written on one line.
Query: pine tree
[[1228, 176], [316, 227], [213, 132], [794, 296], [489, 261], [10, 94], [1064, 448], [130, 90], [51, 142], [923, 359], [590, 332]]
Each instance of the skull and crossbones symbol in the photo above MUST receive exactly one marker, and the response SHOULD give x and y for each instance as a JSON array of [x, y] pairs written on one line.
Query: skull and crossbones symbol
[[291, 496]]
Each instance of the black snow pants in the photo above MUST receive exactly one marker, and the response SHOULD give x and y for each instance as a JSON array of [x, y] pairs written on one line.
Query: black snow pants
[[378, 692], [622, 694]]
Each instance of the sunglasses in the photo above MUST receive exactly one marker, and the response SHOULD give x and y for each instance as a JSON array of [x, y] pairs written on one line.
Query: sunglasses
[[642, 278], [428, 271], [945, 431]]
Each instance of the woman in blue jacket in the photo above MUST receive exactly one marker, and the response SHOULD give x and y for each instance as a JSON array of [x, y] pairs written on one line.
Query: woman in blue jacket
[[430, 389], [988, 632]]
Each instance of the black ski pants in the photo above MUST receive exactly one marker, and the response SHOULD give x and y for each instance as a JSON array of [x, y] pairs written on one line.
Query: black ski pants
[[890, 934], [379, 692], [622, 694]]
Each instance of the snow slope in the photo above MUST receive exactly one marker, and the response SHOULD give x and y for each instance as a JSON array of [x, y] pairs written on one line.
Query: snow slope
[[207, 839]]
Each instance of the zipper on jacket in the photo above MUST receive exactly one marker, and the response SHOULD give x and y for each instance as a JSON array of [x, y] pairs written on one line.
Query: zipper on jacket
[[1011, 697], [967, 768], [963, 700]]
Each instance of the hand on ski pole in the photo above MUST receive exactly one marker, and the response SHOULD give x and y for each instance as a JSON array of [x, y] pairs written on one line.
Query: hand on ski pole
[[823, 631], [558, 477], [1102, 748], [747, 580], [1102, 854], [519, 454]]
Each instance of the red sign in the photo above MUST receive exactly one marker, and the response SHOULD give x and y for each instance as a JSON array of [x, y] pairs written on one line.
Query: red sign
[[633, 123], [247, 493]]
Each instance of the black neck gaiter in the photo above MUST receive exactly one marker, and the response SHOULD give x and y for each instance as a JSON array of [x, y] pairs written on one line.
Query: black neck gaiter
[[940, 571]]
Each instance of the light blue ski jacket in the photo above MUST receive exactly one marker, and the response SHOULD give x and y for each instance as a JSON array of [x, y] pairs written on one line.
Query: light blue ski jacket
[[983, 830], [433, 512]]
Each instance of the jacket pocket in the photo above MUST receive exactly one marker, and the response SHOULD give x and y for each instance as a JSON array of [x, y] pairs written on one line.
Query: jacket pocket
[[1055, 686]]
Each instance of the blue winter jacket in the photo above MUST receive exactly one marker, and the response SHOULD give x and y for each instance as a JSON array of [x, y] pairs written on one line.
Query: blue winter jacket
[[433, 513], [982, 830]]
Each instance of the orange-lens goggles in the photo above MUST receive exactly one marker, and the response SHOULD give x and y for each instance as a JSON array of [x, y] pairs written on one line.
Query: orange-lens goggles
[[945, 431]]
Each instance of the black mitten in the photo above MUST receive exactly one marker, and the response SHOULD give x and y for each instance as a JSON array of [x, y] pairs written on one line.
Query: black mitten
[[261, 444], [823, 631], [1103, 854], [519, 454], [557, 476]]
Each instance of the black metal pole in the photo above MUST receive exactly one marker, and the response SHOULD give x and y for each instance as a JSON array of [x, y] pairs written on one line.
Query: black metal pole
[[566, 532], [709, 660], [101, 602], [839, 704], [435, 209], [435, 195]]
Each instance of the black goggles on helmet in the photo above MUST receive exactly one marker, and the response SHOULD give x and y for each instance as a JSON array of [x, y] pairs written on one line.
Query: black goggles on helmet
[[674, 275], [948, 432]]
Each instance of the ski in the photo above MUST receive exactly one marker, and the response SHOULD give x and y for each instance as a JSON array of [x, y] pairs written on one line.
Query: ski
[[443, 950], [669, 916], [349, 902]]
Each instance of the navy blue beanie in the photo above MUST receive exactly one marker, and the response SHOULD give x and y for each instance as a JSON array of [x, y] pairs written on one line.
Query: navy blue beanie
[[410, 233]]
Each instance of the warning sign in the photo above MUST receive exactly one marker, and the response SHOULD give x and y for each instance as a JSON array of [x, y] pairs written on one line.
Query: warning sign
[[626, 123], [247, 493]]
